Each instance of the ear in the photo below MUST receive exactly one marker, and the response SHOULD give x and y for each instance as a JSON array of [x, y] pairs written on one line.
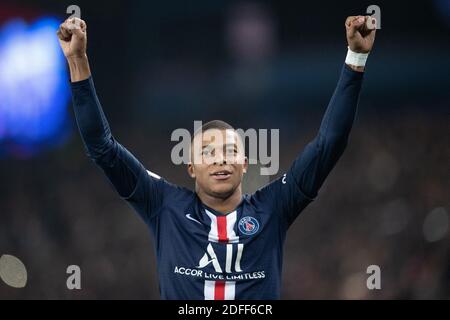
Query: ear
[[245, 165], [191, 170]]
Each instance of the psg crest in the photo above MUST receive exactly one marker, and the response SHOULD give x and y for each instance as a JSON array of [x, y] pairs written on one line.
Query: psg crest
[[248, 225]]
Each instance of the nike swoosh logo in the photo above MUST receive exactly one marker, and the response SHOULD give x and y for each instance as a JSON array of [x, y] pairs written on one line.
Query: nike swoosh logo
[[190, 218]]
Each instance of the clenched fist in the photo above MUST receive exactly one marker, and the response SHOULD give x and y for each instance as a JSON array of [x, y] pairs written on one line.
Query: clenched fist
[[360, 33], [72, 35]]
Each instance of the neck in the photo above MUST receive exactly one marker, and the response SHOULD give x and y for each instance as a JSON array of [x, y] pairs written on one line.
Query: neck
[[220, 204]]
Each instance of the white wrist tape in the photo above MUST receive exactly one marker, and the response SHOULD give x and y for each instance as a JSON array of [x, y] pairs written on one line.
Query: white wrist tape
[[356, 59]]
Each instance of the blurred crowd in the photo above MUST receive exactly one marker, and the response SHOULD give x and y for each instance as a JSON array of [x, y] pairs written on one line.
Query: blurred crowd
[[386, 204], [264, 64]]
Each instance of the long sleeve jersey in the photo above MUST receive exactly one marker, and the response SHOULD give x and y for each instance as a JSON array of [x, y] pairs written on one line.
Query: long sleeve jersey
[[204, 254]]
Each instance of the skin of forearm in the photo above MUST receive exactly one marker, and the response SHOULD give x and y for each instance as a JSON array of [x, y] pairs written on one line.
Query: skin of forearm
[[79, 68], [355, 68]]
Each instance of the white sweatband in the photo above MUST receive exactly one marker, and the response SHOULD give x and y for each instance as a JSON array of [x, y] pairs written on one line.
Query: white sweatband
[[356, 59]]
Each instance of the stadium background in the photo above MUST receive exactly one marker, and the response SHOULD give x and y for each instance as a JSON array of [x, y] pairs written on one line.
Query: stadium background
[[159, 66]]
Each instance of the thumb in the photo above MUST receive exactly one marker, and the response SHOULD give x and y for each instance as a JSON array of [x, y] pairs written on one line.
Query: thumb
[[77, 27], [78, 33]]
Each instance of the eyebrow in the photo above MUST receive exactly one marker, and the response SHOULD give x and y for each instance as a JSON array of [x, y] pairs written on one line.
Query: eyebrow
[[234, 145]]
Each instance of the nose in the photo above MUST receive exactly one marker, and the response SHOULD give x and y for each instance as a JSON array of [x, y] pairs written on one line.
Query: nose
[[219, 159]]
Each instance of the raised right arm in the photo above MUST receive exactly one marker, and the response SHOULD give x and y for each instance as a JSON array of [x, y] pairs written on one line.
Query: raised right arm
[[125, 172]]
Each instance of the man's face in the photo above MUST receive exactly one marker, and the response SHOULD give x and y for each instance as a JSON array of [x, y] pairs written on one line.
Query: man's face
[[218, 162]]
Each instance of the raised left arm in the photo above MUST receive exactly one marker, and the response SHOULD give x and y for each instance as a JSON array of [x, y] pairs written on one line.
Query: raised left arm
[[319, 157], [312, 166]]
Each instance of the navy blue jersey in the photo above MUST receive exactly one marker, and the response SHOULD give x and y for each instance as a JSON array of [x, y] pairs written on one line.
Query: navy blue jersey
[[204, 254]]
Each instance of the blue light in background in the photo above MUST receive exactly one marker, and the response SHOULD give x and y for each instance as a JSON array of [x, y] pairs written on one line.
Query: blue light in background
[[34, 89]]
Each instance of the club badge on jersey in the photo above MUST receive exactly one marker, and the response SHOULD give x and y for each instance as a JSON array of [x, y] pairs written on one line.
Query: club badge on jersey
[[248, 225]]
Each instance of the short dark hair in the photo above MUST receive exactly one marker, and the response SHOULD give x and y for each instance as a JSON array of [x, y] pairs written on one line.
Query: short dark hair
[[214, 124]]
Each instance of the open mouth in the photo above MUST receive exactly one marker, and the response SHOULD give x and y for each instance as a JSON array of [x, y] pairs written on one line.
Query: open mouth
[[221, 175]]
